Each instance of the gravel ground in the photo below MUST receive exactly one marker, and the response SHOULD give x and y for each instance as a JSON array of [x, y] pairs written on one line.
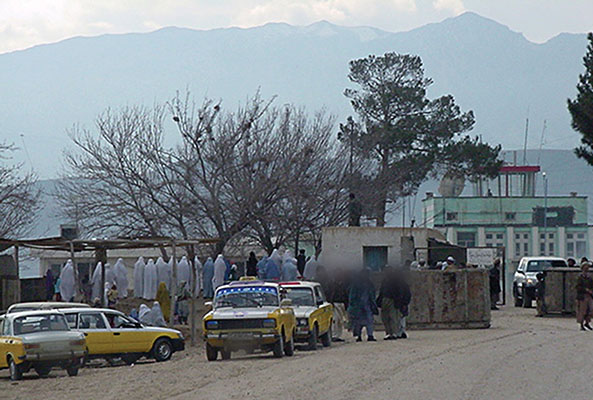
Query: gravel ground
[[520, 357]]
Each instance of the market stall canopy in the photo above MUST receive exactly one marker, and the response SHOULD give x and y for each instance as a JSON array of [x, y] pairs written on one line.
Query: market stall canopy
[[77, 245]]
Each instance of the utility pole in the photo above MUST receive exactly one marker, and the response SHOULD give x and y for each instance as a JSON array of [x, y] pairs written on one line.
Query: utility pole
[[545, 213]]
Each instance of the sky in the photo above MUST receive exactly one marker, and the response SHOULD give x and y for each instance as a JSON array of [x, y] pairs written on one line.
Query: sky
[[25, 23]]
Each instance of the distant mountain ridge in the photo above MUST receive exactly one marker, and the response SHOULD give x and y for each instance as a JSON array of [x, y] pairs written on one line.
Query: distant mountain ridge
[[487, 67]]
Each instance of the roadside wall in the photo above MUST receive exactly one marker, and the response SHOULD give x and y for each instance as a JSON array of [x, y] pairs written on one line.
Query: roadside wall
[[561, 291], [443, 299]]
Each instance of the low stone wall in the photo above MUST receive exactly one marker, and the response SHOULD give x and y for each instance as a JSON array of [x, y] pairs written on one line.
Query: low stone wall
[[449, 299]]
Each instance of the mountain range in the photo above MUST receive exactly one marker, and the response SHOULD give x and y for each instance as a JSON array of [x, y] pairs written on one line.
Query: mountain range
[[497, 73]]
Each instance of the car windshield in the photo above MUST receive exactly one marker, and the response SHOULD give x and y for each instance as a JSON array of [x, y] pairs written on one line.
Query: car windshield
[[540, 265], [301, 296], [252, 296], [40, 323]]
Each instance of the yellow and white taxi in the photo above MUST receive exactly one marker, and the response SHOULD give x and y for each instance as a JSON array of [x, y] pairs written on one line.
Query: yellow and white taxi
[[39, 340], [314, 314], [249, 315], [112, 334]]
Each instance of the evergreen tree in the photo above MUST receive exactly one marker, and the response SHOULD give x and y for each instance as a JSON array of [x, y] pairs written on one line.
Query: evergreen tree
[[403, 135], [581, 108]]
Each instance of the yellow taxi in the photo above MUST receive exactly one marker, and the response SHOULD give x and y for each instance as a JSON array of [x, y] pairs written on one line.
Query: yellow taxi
[[314, 314], [249, 315], [39, 340], [112, 334]]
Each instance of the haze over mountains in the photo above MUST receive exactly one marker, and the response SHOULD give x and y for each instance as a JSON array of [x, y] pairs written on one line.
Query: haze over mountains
[[487, 67]]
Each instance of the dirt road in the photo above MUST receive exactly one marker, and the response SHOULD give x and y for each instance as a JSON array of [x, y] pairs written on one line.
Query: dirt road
[[520, 357]]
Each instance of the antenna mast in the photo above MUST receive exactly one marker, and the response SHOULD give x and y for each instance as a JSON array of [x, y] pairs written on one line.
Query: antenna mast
[[526, 134]]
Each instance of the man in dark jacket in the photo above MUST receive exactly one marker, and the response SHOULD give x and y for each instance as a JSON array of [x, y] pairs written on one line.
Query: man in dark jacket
[[494, 284], [301, 261], [388, 301], [405, 296]]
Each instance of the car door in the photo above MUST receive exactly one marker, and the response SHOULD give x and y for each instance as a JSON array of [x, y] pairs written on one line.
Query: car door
[[3, 344], [127, 336], [99, 338], [325, 310]]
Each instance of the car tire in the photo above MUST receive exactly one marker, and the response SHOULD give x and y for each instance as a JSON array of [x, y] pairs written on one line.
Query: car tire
[[211, 353], [326, 338], [289, 346], [72, 370], [225, 354], [526, 300], [279, 347], [313, 338], [43, 370], [130, 359], [16, 372], [162, 350]]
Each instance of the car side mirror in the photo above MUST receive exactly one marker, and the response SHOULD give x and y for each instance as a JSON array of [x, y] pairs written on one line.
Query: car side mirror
[[319, 302], [208, 305], [286, 303]]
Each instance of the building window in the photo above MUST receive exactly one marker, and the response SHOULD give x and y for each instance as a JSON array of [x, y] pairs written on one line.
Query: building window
[[452, 216], [576, 245], [374, 257], [495, 239], [510, 216], [521, 244], [546, 244], [466, 239]]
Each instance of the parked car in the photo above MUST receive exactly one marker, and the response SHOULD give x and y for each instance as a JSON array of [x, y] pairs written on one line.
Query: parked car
[[111, 334], [525, 278], [249, 315], [44, 305], [39, 340], [313, 313]]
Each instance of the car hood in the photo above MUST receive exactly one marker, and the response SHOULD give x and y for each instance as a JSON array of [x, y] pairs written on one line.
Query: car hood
[[51, 336], [247, 313], [303, 311], [160, 330]]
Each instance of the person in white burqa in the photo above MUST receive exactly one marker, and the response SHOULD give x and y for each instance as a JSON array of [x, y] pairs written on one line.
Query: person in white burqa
[[139, 277], [183, 271], [198, 266], [121, 278], [96, 282], [67, 281], [310, 269], [109, 274], [150, 281], [144, 314], [219, 271], [163, 273]]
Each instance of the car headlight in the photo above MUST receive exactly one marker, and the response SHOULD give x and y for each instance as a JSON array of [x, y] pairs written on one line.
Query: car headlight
[[211, 324], [530, 281], [269, 323], [181, 336], [302, 322]]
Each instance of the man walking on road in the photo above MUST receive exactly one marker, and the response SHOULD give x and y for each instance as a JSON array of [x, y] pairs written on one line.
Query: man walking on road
[[388, 301], [362, 306], [585, 297]]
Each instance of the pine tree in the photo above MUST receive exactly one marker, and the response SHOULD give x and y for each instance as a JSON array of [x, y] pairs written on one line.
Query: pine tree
[[581, 108]]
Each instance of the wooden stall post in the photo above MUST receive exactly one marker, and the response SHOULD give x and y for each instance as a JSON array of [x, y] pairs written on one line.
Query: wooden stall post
[[192, 304], [77, 286], [17, 297], [173, 284]]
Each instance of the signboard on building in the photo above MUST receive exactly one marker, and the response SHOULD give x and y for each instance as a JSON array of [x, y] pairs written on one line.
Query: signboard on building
[[481, 256]]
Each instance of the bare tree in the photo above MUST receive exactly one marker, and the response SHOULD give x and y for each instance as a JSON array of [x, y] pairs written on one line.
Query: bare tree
[[19, 197], [117, 179]]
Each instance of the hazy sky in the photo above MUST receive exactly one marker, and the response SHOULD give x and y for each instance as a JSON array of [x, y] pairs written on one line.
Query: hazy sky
[[24, 23]]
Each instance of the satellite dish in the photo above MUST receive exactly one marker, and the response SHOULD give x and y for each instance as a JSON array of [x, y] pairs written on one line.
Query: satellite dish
[[452, 185]]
